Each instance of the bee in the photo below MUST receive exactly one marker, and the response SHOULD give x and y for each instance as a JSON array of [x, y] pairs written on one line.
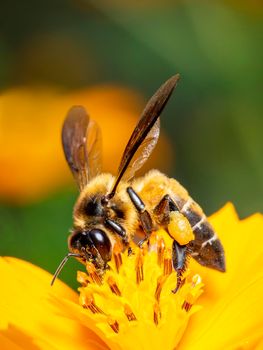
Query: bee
[[112, 209]]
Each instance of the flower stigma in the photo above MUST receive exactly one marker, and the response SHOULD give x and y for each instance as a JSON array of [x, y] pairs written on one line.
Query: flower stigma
[[134, 299]]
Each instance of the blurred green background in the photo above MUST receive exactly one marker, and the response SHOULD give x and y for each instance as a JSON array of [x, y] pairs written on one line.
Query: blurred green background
[[214, 120]]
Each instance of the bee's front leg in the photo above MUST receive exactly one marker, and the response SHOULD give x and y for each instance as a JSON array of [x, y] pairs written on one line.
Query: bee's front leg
[[115, 227]]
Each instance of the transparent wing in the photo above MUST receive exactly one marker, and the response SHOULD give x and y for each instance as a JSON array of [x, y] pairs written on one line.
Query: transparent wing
[[143, 152], [145, 134], [81, 139], [94, 149]]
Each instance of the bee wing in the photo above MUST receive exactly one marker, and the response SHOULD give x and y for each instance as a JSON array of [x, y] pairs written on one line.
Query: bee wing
[[94, 149], [81, 139], [145, 134], [143, 152]]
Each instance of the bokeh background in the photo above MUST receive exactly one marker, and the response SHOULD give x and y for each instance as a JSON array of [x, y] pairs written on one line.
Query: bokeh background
[[111, 55]]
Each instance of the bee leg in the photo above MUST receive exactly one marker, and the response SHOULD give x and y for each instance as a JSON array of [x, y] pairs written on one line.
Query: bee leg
[[144, 216], [163, 209], [179, 259], [118, 229], [147, 226], [95, 255], [144, 240], [146, 223]]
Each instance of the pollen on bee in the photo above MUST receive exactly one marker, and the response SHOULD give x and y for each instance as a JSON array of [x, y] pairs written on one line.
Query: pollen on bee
[[113, 324], [113, 286], [117, 250], [87, 301], [93, 274], [139, 267], [129, 313], [167, 262]]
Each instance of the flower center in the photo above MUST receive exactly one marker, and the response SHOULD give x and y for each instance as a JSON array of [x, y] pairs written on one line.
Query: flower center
[[134, 300]]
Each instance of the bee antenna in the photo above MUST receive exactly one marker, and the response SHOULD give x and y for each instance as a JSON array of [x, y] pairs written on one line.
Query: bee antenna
[[62, 264]]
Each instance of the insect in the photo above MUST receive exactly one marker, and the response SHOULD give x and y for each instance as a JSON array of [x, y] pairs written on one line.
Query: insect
[[112, 209]]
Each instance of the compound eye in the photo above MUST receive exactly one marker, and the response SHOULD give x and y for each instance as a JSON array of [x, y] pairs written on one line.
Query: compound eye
[[101, 242], [76, 241]]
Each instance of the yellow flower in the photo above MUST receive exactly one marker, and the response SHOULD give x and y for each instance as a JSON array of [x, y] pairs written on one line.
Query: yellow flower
[[134, 308]]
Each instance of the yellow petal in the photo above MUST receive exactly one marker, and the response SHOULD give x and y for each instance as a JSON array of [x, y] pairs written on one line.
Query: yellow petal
[[232, 302], [30, 316]]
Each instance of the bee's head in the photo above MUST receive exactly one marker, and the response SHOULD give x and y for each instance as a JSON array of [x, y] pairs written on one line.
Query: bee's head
[[93, 245]]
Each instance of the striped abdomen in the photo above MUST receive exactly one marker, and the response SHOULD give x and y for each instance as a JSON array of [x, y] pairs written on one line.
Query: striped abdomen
[[206, 249]]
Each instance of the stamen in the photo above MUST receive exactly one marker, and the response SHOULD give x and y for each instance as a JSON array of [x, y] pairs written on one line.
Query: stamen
[[186, 306], [87, 302], [117, 256], [113, 324], [160, 282], [95, 277], [83, 278], [113, 286], [193, 294], [167, 263], [156, 313], [111, 300], [139, 267], [160, 250], [196, 280], [129, 313]]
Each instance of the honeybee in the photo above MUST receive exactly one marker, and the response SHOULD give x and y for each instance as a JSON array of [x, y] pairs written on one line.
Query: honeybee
[[112, 209]]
